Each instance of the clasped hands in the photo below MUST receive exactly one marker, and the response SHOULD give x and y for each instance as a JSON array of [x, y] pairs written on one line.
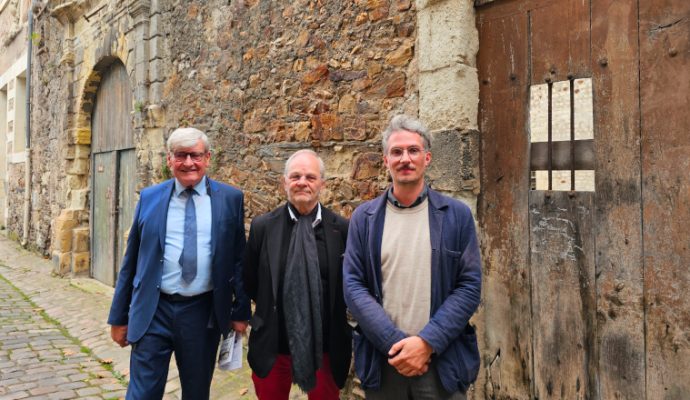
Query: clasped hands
[[410, 356]]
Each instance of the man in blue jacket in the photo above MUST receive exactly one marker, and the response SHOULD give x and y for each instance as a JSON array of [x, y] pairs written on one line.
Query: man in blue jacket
[[412, 280], [180, 283]]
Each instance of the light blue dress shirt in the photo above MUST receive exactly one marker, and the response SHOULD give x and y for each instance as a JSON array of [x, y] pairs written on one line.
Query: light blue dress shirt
[[174, 240]]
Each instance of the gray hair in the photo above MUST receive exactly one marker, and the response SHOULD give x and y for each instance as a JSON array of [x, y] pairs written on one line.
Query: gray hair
[[186, 137], [403, 122], [322, 168]]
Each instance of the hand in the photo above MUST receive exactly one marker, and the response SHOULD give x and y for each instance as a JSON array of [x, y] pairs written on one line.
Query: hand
[[119, 334], [410, 356], [240, 326]]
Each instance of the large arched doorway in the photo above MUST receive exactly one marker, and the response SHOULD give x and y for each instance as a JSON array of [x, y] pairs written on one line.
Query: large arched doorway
[[113, 172]]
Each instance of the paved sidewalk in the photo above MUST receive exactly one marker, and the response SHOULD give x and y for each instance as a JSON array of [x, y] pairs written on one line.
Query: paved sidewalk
[[37, 359], [80, 306]]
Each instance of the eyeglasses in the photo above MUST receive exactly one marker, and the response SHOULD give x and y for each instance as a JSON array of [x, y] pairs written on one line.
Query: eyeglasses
[[413, 153], [181, 156]]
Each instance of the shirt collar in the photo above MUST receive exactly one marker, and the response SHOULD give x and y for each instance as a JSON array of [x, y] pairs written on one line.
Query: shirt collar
[[317, 219], [394, 201], [199, 187]]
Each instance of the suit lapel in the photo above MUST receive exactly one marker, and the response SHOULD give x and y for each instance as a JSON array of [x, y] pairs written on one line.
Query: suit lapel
[[274, 241], [436, 221], [163, 203], [333, 250], [216, 213], [375, 237], [437, 207]]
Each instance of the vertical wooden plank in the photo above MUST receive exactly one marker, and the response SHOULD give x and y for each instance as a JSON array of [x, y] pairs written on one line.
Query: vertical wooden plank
[[620, 319], [504, 316], [560, 40], [665, 107], [126, 201], [579, 39], [563, 300], [98, 120], [122, 98], [549, 53], [102, 256], [113, 111]]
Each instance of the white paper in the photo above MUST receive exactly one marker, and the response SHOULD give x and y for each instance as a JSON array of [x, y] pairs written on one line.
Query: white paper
[[230, 356]]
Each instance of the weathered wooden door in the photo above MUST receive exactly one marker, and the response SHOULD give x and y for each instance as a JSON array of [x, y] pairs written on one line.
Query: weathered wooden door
[[113, 172], [585, 203]]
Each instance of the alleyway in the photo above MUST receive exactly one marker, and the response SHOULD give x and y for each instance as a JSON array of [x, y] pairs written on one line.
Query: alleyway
[[55, 343]]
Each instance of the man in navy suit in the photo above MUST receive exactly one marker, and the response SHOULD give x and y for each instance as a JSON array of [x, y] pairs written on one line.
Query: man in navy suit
[[180, 283]]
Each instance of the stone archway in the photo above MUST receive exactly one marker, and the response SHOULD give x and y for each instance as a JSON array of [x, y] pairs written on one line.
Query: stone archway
[[124, 39], [71, 231], [113, 172]]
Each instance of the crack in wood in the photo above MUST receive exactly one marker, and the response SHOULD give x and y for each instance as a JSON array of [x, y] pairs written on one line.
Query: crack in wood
[[659, 28]]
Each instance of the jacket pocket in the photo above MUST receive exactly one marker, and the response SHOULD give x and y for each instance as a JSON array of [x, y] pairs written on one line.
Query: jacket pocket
[[451, 253], [367, 361], [451, 260], [458, 366]]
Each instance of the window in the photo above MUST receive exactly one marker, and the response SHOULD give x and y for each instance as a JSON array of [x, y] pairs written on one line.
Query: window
[[19, 115], [562, 135]]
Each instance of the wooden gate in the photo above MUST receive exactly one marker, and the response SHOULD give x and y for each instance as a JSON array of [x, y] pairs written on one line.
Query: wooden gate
[[585, 203], [113, 172]]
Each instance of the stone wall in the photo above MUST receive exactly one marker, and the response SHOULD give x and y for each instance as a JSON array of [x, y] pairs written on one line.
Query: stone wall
[[262, 78], [69, 54], [13, 39], [12, 31], [448, 42], [48, 123], [15, 195], [265, 78]]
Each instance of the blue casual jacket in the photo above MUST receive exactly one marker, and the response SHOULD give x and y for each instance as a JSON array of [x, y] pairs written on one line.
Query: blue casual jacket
[[455, 292]]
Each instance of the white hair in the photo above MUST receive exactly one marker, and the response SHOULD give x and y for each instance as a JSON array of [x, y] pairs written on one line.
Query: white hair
[[322, 168], [186, 137]]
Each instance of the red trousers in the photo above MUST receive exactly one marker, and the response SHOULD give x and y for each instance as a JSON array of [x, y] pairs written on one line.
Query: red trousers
[[276, 385]]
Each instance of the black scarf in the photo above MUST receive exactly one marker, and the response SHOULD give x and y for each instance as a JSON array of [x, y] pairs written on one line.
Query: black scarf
[[302, 304]]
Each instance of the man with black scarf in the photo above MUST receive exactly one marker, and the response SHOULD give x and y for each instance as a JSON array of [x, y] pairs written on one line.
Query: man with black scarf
[[293, 272]]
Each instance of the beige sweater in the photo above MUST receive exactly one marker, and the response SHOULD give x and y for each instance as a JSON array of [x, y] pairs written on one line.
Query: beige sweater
[[406, 266]]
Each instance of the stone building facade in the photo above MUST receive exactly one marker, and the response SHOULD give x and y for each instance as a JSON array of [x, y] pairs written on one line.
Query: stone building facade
[[262, 78], [13, 42]]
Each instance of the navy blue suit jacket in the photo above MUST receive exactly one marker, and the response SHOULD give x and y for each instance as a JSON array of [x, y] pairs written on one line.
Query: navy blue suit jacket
[[138, 285]]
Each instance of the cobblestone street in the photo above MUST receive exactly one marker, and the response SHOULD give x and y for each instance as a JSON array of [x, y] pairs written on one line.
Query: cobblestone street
[[39, 359], [55, 343]]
